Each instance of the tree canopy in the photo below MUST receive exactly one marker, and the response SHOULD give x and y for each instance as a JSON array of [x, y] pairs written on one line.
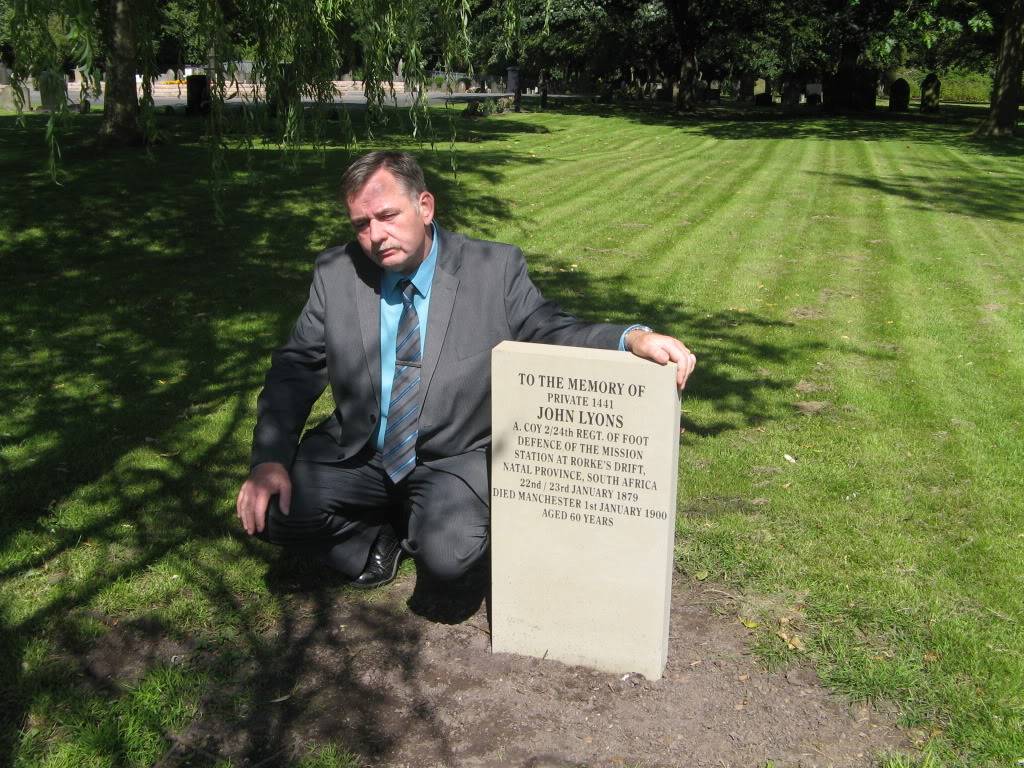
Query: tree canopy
[[298, 48]]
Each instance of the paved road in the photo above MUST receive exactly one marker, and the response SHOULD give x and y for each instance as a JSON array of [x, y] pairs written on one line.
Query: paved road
[[353, 99]]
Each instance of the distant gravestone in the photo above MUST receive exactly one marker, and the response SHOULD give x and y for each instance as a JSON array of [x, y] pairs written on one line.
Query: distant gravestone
[[931, 89], [5, 74], [899, 96], [513, 79], [585, 447], [763, 100], [197, 95]]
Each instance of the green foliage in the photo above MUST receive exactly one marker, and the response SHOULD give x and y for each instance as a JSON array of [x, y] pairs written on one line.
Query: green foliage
[[487, 106], [297, 49], [957, 86], [181, 40]]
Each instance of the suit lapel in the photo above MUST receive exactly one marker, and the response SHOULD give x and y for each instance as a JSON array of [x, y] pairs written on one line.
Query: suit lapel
[[442, 302], [367, 289]]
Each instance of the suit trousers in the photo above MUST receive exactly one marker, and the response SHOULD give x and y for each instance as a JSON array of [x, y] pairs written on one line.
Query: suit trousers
[[337, 510]]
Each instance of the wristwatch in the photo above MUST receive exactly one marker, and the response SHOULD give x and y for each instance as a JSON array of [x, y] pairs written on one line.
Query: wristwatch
[[632, 328]]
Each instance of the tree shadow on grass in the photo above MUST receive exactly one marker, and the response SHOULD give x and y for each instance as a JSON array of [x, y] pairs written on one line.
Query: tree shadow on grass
[[947, 187], [139, 328], [132, 312], [731, 346]]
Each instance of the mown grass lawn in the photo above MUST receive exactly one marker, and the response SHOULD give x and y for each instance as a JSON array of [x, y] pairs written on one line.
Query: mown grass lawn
[[852, 462]]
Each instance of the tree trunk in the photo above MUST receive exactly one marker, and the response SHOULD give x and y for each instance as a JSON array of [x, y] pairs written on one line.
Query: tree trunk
[[688, 33], [120, 98], [687, 98], [747, 82], [1002, 118]]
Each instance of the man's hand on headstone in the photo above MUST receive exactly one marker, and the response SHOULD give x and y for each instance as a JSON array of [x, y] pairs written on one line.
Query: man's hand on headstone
[[662, 349], [264, 481]]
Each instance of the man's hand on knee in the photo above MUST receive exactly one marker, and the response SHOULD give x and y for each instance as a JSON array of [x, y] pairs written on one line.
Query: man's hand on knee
[[264, 481]]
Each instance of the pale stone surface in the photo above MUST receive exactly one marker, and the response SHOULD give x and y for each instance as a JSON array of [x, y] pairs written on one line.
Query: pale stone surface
[[583, 497]]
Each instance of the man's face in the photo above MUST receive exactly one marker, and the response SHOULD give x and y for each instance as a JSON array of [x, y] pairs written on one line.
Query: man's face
[[392, 226]]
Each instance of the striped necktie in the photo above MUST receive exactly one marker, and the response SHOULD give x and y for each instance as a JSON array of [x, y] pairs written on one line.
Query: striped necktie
[[403, 413]]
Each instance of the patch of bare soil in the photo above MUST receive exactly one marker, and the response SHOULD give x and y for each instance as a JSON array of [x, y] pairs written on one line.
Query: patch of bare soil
[[126, 653], [806, 313], [391, 677], [812, 407], [805, 387]]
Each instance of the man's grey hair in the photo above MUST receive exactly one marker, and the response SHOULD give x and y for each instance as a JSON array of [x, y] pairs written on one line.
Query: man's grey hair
[[401, 165]]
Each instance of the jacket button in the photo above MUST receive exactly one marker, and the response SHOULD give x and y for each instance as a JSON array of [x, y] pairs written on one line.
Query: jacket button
[[373, 419]]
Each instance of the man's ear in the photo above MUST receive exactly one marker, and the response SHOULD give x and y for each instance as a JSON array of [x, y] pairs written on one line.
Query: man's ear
[[426, 206]]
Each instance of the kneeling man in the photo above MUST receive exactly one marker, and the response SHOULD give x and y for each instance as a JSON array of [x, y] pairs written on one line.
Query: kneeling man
[[401, 324]]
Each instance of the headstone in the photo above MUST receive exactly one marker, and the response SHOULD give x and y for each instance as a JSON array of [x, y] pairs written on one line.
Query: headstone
[[899, 96], [6, 97], [5, 74], [513, 79], [931, 89], [197, 95], [585, 457], [763, 100]]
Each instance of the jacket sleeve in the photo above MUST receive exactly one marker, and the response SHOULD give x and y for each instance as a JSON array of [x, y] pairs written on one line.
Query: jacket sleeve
[[531, 317], [297, 377]]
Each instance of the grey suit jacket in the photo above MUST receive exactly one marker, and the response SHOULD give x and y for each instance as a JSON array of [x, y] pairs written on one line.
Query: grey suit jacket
[[481, 295]]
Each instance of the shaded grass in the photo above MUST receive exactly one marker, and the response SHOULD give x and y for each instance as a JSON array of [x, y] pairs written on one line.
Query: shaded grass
[[872, 267]]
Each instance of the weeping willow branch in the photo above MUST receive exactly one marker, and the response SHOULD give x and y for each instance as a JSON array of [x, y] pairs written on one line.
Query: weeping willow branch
[[297, 47]]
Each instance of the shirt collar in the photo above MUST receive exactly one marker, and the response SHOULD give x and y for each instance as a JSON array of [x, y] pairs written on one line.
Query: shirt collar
[[422, 277]]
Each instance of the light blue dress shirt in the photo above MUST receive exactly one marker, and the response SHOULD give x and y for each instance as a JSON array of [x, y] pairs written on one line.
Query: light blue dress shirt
[[391, 315]]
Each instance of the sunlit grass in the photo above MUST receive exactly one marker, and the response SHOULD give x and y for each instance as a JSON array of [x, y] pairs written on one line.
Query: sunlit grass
[[853, 291]]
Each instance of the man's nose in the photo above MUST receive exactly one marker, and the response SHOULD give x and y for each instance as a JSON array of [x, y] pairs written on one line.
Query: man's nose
[[377, 234]]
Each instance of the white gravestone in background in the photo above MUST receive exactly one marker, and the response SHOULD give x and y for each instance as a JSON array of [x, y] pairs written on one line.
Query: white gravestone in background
[[585, 455]]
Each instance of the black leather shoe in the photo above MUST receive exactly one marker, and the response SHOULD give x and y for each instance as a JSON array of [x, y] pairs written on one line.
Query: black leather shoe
[[385, 555]]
